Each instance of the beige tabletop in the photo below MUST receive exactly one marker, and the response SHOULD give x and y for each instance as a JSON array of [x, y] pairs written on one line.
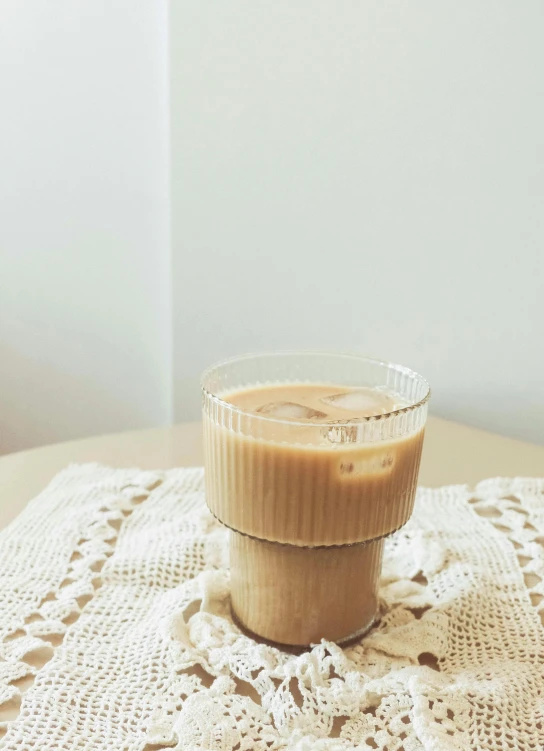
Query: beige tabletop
[[453, 454]]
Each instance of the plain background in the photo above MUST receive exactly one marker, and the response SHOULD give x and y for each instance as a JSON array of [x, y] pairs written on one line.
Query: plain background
[[85, 316], [185, 181], [364, 176]]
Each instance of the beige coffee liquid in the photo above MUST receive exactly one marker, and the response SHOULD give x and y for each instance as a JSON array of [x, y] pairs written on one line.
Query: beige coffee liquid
[[332, 492], [286, 480], [299, 596]]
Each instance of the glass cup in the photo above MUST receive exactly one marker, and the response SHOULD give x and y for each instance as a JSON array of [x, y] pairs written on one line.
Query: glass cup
[[308, 504]]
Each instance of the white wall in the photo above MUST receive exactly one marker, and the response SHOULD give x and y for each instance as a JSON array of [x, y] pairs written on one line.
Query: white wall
[[346, 175], [84, 222], [364, 176]]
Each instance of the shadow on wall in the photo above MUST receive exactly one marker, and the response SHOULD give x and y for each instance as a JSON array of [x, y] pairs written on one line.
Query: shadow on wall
[[40, 405]]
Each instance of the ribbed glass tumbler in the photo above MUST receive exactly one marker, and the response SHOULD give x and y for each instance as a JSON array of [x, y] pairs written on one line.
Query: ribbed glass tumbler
[[308, 504]]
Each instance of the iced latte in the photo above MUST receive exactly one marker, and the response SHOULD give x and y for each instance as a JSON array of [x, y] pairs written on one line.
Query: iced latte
[[310, 474]]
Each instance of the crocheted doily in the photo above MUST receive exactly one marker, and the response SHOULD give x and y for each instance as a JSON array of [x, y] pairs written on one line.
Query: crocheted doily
[[115, 629]]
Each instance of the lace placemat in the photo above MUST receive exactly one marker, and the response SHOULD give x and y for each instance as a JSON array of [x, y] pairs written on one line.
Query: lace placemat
[[115, 630]]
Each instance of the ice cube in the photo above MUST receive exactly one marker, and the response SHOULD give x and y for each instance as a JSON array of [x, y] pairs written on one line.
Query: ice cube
[[290, 411], [378, 464], [339, 432], [363, 402]]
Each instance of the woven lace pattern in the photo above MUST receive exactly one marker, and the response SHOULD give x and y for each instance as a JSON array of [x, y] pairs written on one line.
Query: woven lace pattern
[[115, 629]]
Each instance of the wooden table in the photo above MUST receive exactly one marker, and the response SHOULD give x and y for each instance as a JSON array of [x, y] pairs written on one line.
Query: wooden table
[[453, 454]]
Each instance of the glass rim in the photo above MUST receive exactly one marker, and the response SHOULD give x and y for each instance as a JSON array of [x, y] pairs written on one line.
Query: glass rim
[[317, 353]]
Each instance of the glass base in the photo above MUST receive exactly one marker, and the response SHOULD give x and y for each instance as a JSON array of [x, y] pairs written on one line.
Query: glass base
[[347, 641], [298, 596], [353, 638]]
